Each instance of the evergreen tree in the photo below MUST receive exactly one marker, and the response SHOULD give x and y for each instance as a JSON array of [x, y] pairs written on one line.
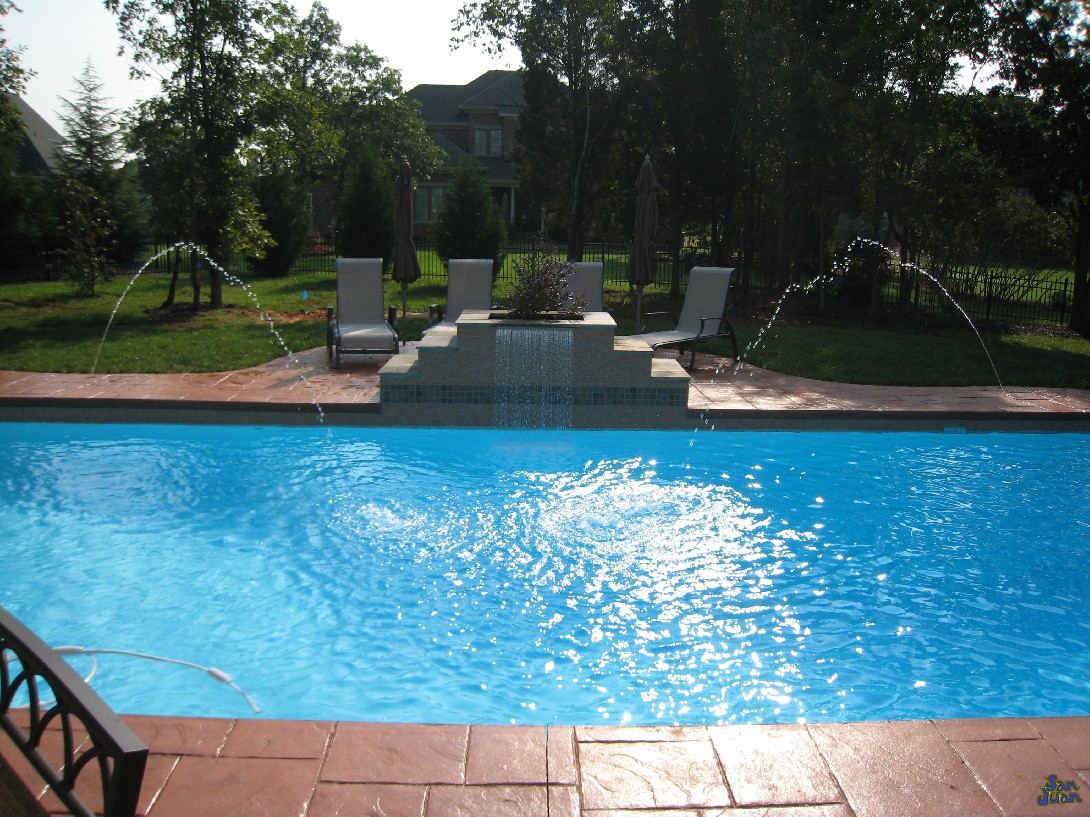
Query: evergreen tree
[[469, 223], [91, 151], [284, 199], [86, 229], [365, 217], [92, 155]]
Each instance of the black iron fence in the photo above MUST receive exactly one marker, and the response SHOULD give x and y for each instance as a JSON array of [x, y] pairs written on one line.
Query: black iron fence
[[1005, 294]]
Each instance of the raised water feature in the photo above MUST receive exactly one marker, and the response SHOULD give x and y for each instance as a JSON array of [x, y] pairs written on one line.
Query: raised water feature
[[534, 373]]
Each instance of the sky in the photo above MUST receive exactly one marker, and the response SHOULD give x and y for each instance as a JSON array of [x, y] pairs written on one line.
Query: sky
[[413, 36]]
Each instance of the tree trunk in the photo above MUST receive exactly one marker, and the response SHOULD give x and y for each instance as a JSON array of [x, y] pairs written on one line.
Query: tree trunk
[[174, 273], [904, 273], [215, 287], [195, 278], [581, 146]]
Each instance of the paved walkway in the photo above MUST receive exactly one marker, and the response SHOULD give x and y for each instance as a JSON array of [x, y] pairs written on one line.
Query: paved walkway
[[210, 767], [717, 394], [954, 768]]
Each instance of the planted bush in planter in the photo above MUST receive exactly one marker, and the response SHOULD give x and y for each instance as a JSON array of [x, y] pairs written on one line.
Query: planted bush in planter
[[539, 291]]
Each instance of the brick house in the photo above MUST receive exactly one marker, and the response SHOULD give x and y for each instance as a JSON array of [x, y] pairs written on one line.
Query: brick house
[[478, 119]]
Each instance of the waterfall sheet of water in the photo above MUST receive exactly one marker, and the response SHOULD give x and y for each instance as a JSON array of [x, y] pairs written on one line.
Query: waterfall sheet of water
[[533, 382]]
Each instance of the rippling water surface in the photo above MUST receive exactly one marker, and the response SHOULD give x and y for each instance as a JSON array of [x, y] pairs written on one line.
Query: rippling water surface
[[557, 577]]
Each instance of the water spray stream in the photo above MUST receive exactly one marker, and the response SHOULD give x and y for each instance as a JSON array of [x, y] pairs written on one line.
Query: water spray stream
[[915, 267], [831, 278], [124, 292], [231, 279], [793, 288]]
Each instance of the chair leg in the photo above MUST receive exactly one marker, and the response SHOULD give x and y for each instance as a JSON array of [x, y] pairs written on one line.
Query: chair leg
[[733, 342], [329, 332]]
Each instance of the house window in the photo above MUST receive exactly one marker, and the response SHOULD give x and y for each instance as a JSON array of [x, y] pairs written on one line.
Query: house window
[[426, 204], [489, 141]]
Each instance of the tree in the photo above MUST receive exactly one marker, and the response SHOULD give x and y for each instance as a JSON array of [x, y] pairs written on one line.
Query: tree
[[566, 48], [86, 227], [207, 53], [1045, 53], [365, 217], [13, 76], [283, 198], [295, 143], [469, 223], [92, 155], [321, 105], [14, 192]]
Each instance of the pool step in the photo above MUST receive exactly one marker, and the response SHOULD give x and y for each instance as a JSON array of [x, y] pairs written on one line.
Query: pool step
[[450, 377]]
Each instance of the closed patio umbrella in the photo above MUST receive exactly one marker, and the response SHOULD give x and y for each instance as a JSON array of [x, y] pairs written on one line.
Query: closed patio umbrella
[[643, 261], [406, 265]]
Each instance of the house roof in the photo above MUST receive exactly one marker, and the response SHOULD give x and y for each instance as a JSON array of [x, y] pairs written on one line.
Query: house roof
[[492, 90], [38, 153]]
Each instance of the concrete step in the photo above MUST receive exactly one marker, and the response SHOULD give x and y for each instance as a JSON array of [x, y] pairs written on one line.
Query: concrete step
[[666, 369], [400, 365]]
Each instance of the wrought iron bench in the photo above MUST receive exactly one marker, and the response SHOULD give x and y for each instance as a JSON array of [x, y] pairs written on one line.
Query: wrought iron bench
[[56, 697]]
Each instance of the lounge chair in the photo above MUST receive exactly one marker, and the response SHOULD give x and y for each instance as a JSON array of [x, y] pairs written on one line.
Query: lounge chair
[[359, 326], [585, 282], [469, 286], [702, 314]]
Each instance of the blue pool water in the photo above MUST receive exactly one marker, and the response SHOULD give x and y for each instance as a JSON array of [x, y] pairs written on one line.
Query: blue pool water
[[557, 577]]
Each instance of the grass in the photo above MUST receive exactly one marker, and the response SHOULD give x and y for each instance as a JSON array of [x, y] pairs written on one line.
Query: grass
[[907, 357], [43, 327]]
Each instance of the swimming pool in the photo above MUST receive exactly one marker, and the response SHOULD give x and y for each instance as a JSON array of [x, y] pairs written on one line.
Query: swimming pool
[[485, 576]]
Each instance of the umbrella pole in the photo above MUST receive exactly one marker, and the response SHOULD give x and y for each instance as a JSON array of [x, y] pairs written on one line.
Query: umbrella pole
[[639, 309], [404, 298]]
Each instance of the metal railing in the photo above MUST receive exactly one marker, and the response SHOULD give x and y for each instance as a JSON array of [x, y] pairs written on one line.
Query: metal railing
[[57, 698]]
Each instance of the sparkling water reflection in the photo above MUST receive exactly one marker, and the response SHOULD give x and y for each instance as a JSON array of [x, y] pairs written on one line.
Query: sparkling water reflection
[[558, 577]]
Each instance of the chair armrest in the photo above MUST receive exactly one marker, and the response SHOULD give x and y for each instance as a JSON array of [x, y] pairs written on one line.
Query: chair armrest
[[703, 321], [330, 330], [391, 317]]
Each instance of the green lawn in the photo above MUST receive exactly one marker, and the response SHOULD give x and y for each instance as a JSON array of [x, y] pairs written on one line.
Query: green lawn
[[43, 327]]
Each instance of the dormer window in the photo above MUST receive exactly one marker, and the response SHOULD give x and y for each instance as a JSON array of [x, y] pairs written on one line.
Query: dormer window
[[488, 141]]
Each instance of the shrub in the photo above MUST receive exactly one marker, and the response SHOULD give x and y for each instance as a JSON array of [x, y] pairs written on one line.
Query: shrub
[[285, 201], [365, 216], [469, 223], [539, 287]]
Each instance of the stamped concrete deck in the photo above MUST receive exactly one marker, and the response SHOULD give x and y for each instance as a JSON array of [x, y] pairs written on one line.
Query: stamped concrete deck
[[211, 767], [751, 397]]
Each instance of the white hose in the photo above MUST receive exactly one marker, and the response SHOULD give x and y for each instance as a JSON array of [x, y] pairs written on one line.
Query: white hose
[[218, 674]]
